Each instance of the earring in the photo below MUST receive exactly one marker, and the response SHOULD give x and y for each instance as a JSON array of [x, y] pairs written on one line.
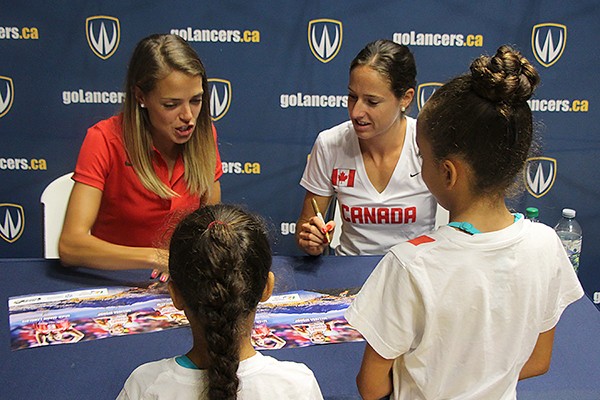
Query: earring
[[403, 109], [142, 105]]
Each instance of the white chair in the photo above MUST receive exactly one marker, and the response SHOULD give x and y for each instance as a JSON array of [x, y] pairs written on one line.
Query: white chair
[[54, 206]]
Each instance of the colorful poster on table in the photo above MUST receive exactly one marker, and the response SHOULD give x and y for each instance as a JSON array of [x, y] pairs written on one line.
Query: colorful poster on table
[[292, 319], [90, 314], [304, 318]]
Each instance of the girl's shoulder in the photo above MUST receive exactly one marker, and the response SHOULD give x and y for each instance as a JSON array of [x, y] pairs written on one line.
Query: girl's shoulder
[[278, 379], [151, 369], [416, 247]]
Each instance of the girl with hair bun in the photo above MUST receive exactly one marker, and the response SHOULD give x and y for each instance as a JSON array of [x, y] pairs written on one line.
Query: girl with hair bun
[[468, 310], [220, 268]]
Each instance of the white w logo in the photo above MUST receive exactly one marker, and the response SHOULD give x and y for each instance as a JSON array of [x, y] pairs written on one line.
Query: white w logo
[[9, 229], [539, 181], [425, 91], [219, 105], [98, 38], [6, 101], [325, 49], [547, 53], [103, 44]]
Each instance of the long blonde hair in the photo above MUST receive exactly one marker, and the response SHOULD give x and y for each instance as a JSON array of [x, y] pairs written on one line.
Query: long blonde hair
[[153, 59]]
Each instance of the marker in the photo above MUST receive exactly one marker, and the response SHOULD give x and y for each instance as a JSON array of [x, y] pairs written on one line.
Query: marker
[[318, 213]]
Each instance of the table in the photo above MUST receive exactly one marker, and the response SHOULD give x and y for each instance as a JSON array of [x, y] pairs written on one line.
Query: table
[[97, 369]]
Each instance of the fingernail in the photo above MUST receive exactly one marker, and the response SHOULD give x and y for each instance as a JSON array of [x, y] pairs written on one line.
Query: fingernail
[[154, 274], [163, 278]]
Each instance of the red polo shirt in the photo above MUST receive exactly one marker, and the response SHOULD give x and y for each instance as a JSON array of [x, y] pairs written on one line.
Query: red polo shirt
[[129, 213]]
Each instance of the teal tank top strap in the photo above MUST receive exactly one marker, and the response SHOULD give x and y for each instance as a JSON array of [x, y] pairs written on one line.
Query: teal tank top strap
[[518, 216], [470, 229], [465, 227], [185, 362]]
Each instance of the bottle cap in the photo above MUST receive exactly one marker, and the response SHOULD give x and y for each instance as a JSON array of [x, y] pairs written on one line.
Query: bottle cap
[[568, 213], [532, 212]]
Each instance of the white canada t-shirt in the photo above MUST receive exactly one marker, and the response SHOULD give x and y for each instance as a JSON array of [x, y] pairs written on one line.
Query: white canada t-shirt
[[373, 222]]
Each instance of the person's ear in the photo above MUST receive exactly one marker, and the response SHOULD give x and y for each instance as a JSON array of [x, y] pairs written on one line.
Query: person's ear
[[268, 287], [407, 98], [450, 170], [175, 296], [139, 97]]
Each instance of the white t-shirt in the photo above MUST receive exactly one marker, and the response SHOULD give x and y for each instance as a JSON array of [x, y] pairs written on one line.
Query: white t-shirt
[[461, 314], [373, 221], [261, 377]]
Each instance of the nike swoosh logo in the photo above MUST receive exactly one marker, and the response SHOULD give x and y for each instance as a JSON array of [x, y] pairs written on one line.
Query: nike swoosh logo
[[415, 174]]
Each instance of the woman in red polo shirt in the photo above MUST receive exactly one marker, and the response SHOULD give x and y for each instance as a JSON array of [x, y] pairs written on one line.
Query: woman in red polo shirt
[[140, 171]]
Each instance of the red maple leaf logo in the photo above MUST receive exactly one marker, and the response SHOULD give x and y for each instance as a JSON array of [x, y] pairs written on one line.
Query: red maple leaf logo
[[342, 176]]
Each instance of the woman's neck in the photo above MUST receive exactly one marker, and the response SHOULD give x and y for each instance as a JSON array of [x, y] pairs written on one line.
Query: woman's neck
[[385, 143], [167, 149]]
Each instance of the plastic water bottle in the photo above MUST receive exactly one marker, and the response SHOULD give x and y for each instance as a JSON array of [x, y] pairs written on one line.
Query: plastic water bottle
[[570, 234], [532, 214]]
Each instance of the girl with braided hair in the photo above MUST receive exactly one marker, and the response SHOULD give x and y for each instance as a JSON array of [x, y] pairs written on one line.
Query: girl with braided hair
[[468, 310], [220, 268]]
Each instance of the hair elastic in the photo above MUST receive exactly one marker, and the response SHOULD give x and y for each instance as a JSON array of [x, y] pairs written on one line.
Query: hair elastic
[[215, 222]]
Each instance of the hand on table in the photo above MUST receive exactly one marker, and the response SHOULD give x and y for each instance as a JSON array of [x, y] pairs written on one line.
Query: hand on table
[[161, 266]]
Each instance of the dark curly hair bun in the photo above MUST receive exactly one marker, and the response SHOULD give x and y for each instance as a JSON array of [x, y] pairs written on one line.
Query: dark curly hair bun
[[507, 77]]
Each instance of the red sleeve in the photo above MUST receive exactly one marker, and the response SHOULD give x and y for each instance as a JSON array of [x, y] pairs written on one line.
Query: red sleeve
[[93, 162], [219, 165]]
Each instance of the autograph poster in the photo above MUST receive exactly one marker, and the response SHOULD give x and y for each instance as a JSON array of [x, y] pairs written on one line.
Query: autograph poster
[[90, 314], [292, 319], [304, 318]]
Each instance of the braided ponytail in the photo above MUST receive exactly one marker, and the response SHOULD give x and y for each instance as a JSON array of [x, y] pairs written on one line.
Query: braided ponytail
[[220, 260]]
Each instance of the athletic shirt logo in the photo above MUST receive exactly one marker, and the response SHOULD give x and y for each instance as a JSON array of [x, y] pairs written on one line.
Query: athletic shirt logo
[[421, 240], [343, 177]]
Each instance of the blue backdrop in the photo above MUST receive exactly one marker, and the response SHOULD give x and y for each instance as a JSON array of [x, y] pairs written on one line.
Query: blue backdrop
[[279, 76]]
